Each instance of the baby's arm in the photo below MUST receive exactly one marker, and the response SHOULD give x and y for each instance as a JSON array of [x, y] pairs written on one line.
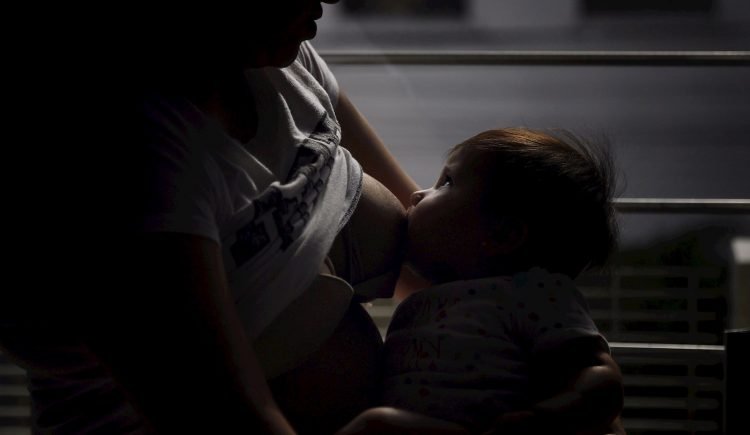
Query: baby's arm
[[579, 387]]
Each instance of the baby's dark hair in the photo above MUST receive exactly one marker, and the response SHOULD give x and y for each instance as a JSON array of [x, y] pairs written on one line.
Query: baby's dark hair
[[560, 186]]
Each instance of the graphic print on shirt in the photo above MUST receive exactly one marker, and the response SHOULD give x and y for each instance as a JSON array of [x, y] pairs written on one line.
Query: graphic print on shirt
[[282, 211]]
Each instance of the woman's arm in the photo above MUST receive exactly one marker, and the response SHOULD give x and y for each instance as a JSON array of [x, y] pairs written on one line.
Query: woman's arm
[[365, 145], [591, 402], [170, 335]]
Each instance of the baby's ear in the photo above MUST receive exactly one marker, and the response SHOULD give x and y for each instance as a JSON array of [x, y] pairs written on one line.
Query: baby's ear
[[507, 236]]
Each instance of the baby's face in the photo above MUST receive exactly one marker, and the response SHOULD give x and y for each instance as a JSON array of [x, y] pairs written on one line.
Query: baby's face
[[446, 232]]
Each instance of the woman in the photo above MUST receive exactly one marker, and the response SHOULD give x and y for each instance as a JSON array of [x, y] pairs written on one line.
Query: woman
[[239, 189]]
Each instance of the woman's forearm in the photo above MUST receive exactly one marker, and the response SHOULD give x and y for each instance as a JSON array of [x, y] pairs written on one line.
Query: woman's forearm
[[591, 403], [172, 338], [365, 145]]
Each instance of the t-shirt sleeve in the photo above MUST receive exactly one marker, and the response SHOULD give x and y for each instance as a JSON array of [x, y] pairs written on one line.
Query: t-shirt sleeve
[[313, 63], [181, 188], [551, 311]]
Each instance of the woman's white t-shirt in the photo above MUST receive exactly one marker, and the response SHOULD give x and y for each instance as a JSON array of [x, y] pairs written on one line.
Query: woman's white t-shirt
[[274, 205]]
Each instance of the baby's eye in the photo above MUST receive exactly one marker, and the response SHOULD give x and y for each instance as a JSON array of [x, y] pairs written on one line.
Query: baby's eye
[[447, 181]]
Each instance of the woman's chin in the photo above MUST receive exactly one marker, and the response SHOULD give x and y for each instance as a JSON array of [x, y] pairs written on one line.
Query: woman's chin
[[283, 60]]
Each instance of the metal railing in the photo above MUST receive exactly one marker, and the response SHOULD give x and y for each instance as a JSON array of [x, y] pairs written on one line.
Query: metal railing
[[15, 401], [575, 58], [540, 57], [673, 385], [672, 389], [682, 205]]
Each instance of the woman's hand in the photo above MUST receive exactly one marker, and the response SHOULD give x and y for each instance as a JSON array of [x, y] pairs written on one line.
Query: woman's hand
[[387, 420], [582, 391]]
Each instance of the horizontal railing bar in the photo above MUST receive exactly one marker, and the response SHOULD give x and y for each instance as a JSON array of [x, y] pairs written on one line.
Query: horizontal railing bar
[[663, 315], [682, 205], [669, 403], [15, 411], [667, 346], [11, 370], [652, 425], [539, 57]]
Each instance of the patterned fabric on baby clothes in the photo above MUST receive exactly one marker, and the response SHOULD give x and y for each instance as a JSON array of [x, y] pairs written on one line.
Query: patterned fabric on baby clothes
[[459, 351]]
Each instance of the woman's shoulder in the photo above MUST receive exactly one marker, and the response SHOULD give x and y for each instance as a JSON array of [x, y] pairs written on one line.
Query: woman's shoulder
[[175, 128], [310, 64], [170, 114]]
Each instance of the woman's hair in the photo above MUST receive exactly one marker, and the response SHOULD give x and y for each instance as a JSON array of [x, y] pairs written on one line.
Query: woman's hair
[[560, 186]]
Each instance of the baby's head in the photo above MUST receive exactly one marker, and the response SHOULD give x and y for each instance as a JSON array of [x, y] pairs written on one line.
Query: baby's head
[[511, 199]]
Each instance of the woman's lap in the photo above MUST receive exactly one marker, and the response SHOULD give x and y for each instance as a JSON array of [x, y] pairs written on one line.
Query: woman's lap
[[342, 377], [338, 381]]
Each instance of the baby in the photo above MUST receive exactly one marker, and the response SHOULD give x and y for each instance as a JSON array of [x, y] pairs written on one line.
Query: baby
[[503, 340]]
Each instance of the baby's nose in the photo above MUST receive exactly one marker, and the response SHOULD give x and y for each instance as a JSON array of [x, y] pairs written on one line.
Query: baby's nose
[[416, 197]]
